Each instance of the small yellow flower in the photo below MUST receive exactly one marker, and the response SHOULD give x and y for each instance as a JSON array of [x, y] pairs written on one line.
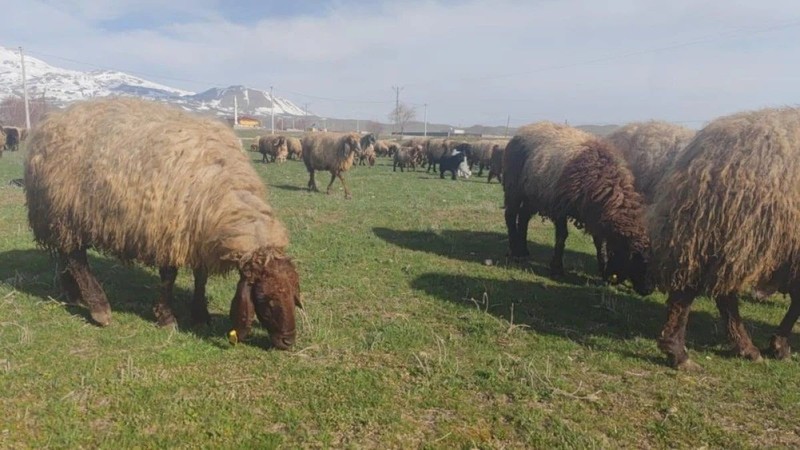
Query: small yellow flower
[[614, 278], [233, 338]]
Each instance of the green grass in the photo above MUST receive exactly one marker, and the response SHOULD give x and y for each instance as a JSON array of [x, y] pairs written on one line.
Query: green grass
[[408, 340]]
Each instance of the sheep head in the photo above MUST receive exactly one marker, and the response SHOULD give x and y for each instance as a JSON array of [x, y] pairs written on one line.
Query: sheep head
[[350, 143], [269, 288], [629, 264]]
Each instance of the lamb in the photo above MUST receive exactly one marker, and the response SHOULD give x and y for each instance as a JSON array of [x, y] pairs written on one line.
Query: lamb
[[180, 194], [563, 173], [650, 148], [455, 163], [496, 164], [333, 152], [724, 220], [404, 157]]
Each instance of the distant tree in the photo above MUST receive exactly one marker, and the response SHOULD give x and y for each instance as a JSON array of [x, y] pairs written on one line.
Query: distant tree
[[374, 127], [401, 115], [12, 111]]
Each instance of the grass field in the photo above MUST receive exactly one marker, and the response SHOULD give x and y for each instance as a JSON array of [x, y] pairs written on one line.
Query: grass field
[[409, 339]]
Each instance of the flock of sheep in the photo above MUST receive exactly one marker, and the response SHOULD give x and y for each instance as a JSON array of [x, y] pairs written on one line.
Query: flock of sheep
[[711, 212]]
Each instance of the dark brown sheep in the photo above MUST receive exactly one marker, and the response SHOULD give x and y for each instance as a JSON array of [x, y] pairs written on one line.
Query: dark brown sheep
[[725, 220], [333, 152], [182, 193], [563, 173], [496, 164], [12, 138], [404, 157]]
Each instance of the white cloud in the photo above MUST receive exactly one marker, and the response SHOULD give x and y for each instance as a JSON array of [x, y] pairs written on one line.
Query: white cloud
[[451, 55]]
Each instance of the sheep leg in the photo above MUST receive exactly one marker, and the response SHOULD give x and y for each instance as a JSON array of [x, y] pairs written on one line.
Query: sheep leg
[[779, 344], [557, 263], [200, 313], [517, 218], [333, 178], [728, 306], [673, 336], [82, 286], [480, 169], [162, 309], [312, 183], [602, 255], [346, 189]]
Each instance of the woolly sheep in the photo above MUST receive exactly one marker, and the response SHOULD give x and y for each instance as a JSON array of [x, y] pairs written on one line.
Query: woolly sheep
[[563, 173], [333, 152], [725, 219], [150, 183]]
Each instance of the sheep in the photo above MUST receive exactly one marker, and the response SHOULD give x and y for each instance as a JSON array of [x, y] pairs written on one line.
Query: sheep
[[563, 173], [481, 154], [367, 150], [382, 148], [294, 147], [269, 146], [496, 164], [404, 157], [435, 150], [724, 220], [333, 152], [180, 194], [12, 138], [455, 163], [650, 148]]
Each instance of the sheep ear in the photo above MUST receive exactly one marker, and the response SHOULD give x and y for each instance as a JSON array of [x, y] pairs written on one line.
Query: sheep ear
[[242, 309]]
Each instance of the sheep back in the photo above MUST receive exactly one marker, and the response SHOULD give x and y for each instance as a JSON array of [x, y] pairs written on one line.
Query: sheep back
[[726, 217], [650, 148], [147, 182]]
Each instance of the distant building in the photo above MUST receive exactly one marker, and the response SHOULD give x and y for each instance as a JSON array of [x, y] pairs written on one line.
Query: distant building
[[245, 122]]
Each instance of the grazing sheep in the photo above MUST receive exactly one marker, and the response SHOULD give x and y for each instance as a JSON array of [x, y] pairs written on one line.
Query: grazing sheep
[[180, 194], [496, 164], [333, 152], [404, 157], [12, 138], [725, 220], [367, 150], [649, 149], [2, 141], [563, 173], [481, 154]]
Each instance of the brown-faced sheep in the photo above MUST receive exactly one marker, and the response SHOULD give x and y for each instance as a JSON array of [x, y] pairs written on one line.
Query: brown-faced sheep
[[563, 173], [333, 152], [496, 164], [725, 220], [650, 148], [180, 194], [382, 148]]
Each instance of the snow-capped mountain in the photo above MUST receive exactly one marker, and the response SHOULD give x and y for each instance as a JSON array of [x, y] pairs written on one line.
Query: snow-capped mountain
[[62, 86]]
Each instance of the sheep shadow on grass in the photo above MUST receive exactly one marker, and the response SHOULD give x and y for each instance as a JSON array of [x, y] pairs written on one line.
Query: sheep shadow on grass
[[589, 316], [478, 246], [130, 288]]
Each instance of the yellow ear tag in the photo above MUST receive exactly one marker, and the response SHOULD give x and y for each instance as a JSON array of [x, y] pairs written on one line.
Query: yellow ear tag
[[233, 338]]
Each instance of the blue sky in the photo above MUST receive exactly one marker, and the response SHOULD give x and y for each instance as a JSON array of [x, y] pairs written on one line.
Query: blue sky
[[476, 61]]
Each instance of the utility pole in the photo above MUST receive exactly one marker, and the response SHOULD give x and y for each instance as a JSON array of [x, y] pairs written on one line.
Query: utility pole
[[508, 121], [235, 110], [425, 132], [397, 90], [25, 91], [358, 130], [272, 120]]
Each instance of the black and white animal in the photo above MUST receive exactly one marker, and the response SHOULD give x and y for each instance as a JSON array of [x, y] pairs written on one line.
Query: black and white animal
[[456, 164]]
